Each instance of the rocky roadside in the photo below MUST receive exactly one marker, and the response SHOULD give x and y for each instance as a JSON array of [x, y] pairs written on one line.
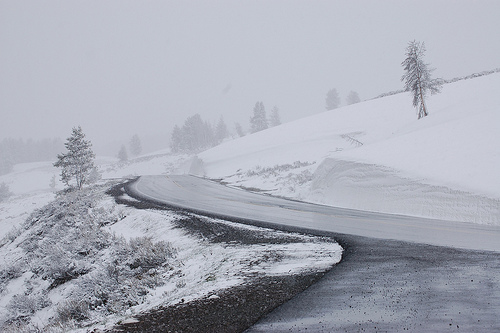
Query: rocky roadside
[[230, 310], [233, 310]]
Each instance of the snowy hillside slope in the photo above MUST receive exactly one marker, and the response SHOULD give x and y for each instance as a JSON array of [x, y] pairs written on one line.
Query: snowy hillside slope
[[81, 262], [377, 156], [30, 182]]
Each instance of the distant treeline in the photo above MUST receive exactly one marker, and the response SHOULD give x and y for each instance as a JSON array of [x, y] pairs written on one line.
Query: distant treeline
[[197, 135], [13, 151]]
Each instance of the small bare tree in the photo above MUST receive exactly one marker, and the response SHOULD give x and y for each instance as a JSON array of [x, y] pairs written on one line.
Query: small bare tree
[[417, 77]]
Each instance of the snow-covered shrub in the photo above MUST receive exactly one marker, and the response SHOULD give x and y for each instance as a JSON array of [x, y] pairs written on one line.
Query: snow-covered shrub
[[65, 243], [100, 291], [73, 310], [22, 306], [10, 272], [146, 255], [297, 179], [121, 280], [11, 235], [276, 170]]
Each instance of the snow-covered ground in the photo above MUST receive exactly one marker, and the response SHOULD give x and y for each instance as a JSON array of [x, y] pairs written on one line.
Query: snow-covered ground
[[71, 265], [377, 156], [373, 155]]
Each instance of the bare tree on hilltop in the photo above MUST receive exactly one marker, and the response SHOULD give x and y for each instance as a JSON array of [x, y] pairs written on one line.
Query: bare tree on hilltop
[[78, 163], [417, 77]]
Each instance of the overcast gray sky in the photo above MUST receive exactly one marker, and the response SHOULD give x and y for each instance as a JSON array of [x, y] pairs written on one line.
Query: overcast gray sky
[[122, 67]]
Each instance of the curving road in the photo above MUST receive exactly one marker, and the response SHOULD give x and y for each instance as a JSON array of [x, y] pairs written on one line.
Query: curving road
[[209, 197], [391, 280]]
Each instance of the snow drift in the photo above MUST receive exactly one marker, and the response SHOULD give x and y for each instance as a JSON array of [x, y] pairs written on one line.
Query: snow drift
[[377, 156]]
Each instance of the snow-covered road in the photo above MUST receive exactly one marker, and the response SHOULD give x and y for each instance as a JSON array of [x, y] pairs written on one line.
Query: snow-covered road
[[212, 198]]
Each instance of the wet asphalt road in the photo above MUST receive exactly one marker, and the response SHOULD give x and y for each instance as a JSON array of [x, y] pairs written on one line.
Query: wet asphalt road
[[211, 198], [386, 285], [391, 286]]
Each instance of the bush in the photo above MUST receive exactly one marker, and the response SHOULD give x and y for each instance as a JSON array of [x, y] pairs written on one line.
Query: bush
[[9, 273], [22, 306], [64, 241], [147, 255], [72, 310]]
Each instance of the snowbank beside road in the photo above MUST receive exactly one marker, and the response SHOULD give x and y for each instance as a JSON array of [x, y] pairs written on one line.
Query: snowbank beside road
[[377, 156], [381, 189]]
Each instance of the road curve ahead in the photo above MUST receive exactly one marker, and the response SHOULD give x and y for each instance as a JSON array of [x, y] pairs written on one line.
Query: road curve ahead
[[209, 197]]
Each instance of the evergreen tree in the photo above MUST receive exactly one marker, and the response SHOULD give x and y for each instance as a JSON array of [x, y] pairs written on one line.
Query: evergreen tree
[[239, 130], [258, 122], [176, 140], [417, 77], [332, 99], [135, 145], [78, 162], [194, 134], [94, 176], [353, 98], [122, 154], [275, 118], [208, 136], [220, 131]]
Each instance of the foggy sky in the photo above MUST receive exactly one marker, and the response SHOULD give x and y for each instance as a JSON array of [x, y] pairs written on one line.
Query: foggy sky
[[122, 67]]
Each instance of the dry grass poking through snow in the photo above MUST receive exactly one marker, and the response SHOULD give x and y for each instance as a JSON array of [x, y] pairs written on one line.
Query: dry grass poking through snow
[[84, 260]]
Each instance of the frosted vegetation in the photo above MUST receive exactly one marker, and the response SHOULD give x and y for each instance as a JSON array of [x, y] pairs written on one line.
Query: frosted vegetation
[[83, 260], [66, 241]]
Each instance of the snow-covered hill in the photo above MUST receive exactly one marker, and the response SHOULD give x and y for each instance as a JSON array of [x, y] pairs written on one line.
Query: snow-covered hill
[[80, 261], [377, 156], [373, 155]]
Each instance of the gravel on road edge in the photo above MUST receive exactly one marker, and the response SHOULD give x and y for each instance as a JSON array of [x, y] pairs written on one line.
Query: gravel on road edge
[[230, 310], [233, 310]]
